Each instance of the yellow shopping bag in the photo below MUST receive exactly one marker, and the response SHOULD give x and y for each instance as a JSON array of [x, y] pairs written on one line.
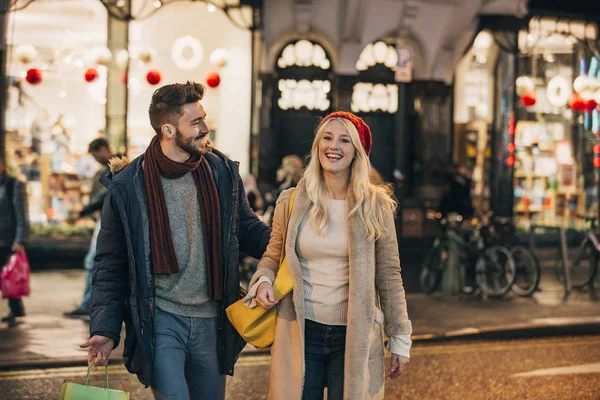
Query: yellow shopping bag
[[75, 391]]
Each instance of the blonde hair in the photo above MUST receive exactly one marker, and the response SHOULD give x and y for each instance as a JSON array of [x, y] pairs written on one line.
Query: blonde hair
[[373, 202]]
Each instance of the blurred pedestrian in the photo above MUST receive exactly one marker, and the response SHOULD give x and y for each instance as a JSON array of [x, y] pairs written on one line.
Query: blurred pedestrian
[[14, 228], [100, 150], [457, 198], [342, 253], [255, 199], [173, 224], [288, 175]]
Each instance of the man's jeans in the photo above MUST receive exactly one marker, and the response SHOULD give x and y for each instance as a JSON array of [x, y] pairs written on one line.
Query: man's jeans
[[324, 347], [186, 363]]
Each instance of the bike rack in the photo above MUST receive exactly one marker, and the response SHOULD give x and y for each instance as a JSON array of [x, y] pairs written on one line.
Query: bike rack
[[563, 251]]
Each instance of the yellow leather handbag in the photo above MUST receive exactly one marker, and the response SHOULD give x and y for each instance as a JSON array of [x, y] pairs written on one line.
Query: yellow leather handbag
[[257, 325]]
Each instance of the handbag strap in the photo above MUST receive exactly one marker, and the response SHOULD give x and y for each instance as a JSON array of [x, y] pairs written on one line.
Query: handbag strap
[[290, 208], [90, 370]]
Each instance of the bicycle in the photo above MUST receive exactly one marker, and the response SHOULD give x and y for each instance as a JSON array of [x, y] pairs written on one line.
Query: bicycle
[[493, 266], [527, 265], [584, 268]]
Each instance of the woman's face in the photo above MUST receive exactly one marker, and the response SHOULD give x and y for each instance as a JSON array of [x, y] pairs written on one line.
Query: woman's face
[[336, 150]]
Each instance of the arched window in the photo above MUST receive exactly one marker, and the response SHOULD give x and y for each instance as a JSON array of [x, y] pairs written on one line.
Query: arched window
[[303, 70], [376, 90]]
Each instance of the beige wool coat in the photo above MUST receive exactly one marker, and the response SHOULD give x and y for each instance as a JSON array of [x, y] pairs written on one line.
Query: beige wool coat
[[374, 279]]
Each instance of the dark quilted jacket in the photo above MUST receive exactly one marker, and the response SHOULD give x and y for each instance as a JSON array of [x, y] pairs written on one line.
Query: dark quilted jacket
[[123, 283]]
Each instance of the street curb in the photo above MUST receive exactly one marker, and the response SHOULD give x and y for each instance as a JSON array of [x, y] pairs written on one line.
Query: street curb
[[507, 332]]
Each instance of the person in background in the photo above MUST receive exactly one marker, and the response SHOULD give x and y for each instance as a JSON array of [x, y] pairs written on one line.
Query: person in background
[[457, 198], [255, 199], [14, 228], [288, 175], [100, 150], [173, 223], [342, 254]]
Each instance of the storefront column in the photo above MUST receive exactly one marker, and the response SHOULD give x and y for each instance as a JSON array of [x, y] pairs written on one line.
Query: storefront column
[[504, 128], [342, 95], [4, 5], [402, 134], [263, 154], [116, 90]]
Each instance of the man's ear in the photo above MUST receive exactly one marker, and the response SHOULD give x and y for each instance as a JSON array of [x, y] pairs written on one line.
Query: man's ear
[[168, 131]]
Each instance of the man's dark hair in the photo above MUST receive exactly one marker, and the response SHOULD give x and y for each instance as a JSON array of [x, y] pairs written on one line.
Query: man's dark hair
[[168, 101], [97, 144]]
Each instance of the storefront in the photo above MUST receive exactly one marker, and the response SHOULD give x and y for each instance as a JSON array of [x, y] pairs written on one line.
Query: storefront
[[69, 73], [543, 131]]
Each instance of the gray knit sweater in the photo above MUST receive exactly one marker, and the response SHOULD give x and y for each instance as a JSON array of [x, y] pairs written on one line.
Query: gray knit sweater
[[185, 293]]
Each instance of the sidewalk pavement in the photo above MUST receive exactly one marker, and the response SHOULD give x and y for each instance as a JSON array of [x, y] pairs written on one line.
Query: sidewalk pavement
[[44, 338]]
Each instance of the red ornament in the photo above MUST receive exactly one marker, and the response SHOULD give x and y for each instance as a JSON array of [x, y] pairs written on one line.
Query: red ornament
[[589, 104], [576, 102], [213, 79], [91, 74], [510, 161], [153, 77], [597, 149], [511, 147], [597, 162], [529, 99], [34, 76], [124, 78]]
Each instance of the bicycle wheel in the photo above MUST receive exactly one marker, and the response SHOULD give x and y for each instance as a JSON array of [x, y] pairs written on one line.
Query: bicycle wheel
[[527, 276], [434, 264], [582, 270], [495, 271]]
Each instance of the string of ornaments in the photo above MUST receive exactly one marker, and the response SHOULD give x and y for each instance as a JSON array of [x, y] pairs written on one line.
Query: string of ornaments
[[583, 98]]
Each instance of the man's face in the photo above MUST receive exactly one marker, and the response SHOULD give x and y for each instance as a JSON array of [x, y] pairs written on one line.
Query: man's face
[[102, 155], [192, 133]]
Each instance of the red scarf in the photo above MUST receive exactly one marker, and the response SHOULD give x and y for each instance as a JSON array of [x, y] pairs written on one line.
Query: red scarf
[[162, 249]]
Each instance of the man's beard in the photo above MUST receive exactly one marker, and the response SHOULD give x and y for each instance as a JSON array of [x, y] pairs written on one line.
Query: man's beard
[[191, 145]]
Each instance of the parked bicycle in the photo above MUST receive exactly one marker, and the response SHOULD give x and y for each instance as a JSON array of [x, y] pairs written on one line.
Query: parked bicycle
[[584, 267], [492, 265], [527, 265]]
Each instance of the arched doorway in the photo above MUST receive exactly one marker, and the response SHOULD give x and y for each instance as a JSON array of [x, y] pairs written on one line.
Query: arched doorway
[[300, 95]]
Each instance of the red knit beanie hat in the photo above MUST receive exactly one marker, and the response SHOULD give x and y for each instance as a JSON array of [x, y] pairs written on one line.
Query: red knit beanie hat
[[364, 133]]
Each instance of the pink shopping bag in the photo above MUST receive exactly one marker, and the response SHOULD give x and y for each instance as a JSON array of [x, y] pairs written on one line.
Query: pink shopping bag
[[14, 279]]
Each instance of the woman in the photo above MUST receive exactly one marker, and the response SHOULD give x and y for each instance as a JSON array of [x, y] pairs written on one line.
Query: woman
[[342, 254]]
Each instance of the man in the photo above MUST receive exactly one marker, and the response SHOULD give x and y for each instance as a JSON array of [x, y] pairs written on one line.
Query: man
[[457, 198], [14, 228], [173, 223], [100, 150]]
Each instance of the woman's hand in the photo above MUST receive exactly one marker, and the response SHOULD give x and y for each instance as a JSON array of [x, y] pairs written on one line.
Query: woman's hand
[[398, 365], [265, 297]]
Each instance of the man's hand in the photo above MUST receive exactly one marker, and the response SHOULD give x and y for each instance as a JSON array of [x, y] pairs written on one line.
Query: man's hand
[[18, 247], [398, 365], [99, 350], [265, 297]]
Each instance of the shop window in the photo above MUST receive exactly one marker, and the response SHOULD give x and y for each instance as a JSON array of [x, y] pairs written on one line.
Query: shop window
[[555, 182], [304, 93], [303, 54], [369, 97], [377, 53]]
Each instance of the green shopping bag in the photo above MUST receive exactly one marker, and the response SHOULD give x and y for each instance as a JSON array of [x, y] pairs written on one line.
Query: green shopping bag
[[75, 391]]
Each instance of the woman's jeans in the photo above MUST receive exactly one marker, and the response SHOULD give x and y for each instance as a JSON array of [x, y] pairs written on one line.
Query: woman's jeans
[[324, 347], [186, 363]]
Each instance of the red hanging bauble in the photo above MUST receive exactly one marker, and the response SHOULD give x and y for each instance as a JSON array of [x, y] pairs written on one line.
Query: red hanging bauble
[[153, 77], [91, 74], [34, 76], [212, 79], [589, 104], [529, 99], [576, 102], [124, 77]]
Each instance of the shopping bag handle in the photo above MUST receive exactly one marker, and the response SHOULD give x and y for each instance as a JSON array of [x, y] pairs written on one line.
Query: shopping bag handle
[[90, 366]]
